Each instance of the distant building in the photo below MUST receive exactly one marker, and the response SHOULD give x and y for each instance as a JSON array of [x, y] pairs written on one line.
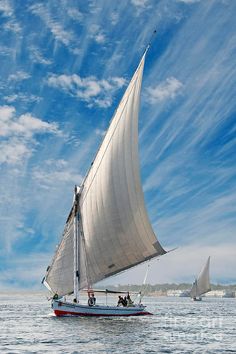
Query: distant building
[[178, 293], [221, 293]]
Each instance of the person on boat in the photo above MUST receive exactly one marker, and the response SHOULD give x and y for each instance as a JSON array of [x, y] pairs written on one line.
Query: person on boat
[[129, 301], [91, 299], [120, 301], [125, 302]]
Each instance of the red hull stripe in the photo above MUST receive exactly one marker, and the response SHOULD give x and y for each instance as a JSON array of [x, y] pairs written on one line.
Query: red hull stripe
[[66, 313]]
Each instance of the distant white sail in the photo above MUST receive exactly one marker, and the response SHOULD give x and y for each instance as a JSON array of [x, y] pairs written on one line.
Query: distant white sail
[[202, 283], [115, 232]]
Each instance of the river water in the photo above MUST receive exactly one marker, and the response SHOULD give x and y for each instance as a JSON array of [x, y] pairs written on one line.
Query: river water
[[178, 325]]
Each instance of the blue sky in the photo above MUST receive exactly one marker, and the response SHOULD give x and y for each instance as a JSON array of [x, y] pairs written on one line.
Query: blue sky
[[64, 66]]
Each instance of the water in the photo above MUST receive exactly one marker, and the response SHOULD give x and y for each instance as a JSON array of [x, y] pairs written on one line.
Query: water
[[178, 325]]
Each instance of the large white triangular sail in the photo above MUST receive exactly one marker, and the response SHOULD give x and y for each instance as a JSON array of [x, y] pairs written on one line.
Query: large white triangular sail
[[115, 232], [202, 283]]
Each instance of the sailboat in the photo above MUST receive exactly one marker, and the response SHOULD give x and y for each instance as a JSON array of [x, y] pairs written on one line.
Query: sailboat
[[107, 230], [202, 284]]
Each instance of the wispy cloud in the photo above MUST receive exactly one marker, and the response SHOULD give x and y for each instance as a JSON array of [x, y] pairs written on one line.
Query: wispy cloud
[[167, 89], [75, 14], [19, 76], [140, 5], [58, 31], [97, 34], [22, 97], [6, 51], [12, 25], [91, 90], [14, 151], [114, 18], [56, 170], [30, 270], [6, 8], [189, 1], [37, 57]]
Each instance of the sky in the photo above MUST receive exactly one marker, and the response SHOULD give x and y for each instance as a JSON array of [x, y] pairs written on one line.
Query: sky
[[64, 65]]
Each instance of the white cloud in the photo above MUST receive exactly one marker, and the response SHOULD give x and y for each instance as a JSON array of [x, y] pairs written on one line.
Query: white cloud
[[59, 32], [7, 11], [19, 76], [186, 262], [18, 134], [189, 1], [30, 125], [100, 132], [13, 26], [37, 57], [30, 270], [100, 38], [114, 18], [76, 51], [97, 34], [22, 97], [6, 51], [14, 151], [140, 3], [89, 89], [6, 113], [170, 88], [26, 125], [56, 172], [102, 103], [183, 264], [6, 8], [75, 14]]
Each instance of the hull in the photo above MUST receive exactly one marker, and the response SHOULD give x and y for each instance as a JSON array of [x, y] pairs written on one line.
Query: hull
[[197, 299], [61, 308]]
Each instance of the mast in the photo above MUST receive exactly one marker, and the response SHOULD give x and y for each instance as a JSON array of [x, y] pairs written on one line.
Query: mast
[[76, 248]]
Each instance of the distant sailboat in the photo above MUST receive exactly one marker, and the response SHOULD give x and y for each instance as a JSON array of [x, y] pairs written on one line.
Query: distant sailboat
[[202, 284], [107, 230]]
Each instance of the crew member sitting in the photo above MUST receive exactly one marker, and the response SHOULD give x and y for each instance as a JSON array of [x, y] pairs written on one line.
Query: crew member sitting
[[91, 299], [120, 301], [129, 301]]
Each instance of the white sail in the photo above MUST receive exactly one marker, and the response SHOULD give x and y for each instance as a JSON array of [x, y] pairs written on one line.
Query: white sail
[[202, 283], [114, 230], [59, 276]]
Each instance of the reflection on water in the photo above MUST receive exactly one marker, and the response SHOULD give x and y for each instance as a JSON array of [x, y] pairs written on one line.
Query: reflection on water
[[177, 326]]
